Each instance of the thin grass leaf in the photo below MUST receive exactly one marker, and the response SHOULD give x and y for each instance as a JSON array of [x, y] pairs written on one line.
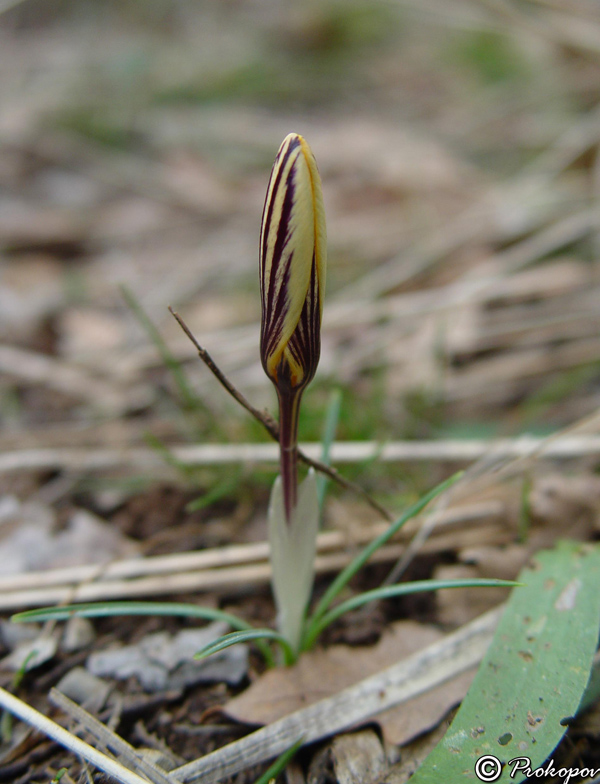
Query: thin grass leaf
[[361, 559], [278, 766], [221, 489], [6, 718], [331, 424], [110, 609], [190, 401], [525, 509], [168, 457], [390, 591], [234, 638]]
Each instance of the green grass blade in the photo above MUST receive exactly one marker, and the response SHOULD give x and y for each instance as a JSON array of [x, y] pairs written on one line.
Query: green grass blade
[[168, 457], [249, 635], [278, 766], [525, 509], [190, 401], [532, 678], [109, 609], [6, 718], [361, 559], [390, 591], [221, 489], [331, 423]]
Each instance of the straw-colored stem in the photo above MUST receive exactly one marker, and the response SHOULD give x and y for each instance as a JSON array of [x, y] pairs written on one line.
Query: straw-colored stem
[[53, 730]]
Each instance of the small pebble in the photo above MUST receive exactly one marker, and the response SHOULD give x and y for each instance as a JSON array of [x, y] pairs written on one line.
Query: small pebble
[[78, 634], [85, 689]]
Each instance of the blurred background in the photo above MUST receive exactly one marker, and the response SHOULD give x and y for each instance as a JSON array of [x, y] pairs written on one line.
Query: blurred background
[[458, 147], [458, 143]]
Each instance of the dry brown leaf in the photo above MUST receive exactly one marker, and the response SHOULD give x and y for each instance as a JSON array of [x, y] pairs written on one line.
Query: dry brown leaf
[[460, 607], [198, 182], [561, 500], [323, 673], [29, 227], [83, 331], [414, 754], [30, 290], [501, 562], [402, 724]]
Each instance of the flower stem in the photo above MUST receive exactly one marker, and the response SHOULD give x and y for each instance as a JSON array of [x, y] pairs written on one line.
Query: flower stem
[[289, 408]]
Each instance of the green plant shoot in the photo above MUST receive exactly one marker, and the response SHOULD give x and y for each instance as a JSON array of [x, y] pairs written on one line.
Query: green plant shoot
[[292, 285]]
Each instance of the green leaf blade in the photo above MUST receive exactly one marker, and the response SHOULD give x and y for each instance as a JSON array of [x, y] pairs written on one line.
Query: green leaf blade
[[534, 674]]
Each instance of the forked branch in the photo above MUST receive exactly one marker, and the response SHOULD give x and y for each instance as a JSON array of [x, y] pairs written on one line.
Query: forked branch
[[270, 424]]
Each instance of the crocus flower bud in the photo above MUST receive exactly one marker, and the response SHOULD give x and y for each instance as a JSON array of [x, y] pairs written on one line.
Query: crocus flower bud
[[292, 267], [292, 285]]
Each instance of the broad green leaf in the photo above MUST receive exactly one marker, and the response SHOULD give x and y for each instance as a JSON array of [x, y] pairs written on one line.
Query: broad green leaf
[[533, 676]]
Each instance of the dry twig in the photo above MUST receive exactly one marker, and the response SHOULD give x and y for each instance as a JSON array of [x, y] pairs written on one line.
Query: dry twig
[[270, 425]]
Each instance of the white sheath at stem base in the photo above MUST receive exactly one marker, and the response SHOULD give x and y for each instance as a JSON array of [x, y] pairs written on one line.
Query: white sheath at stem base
[[293, 547]]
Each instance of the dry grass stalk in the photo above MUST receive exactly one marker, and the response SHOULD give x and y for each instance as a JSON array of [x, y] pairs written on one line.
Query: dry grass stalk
[[230, 567], [69, 379], [53, 730], [108, 739], [443, 451]]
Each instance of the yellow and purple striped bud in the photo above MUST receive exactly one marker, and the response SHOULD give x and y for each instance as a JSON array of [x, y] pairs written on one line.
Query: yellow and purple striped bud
[[292, 266], [292, 285]]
